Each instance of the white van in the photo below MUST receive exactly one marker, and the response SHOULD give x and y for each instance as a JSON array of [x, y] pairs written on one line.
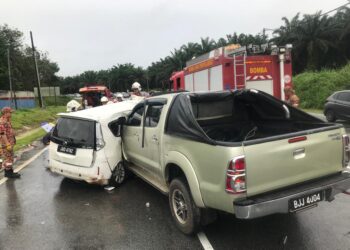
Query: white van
[[86, 145]]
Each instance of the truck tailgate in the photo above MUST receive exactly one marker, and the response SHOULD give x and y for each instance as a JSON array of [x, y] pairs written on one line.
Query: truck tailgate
[[274, 164]]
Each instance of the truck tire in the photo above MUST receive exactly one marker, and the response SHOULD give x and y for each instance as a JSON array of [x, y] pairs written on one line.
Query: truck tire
[[118, 175], [185, 213]]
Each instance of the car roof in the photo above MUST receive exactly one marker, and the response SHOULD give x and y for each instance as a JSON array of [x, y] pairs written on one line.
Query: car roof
[[105, 112]]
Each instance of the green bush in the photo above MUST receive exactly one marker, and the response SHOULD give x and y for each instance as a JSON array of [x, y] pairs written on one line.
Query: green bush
[[313, 88]]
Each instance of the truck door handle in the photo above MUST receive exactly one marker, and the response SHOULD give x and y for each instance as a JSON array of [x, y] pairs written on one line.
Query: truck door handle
[[154, 138], [299, 153]]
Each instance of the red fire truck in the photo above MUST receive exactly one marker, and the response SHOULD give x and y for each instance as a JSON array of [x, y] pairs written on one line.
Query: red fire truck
[[92, 93], [264, 67]]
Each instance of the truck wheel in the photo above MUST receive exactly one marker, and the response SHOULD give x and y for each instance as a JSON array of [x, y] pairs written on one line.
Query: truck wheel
[[185, 213], [330, 116], [118, 175]]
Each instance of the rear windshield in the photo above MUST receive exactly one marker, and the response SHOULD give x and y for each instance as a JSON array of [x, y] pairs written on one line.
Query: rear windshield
[[75, 132]]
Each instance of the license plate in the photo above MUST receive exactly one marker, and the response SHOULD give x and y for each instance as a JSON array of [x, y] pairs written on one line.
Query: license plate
[[305, 201], [66, 150]]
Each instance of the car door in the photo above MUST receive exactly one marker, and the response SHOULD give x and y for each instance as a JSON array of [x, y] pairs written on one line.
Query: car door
[[152, 132], [132, 135], [343, 105]]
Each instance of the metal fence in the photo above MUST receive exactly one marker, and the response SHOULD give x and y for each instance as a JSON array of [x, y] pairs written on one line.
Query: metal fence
[[47, 91]]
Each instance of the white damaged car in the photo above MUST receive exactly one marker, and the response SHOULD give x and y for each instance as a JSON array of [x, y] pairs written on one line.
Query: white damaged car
[[86, 145]]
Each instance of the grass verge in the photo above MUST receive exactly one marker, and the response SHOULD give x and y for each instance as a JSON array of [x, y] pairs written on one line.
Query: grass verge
[[34, 117], [26, 140], [316, 111]]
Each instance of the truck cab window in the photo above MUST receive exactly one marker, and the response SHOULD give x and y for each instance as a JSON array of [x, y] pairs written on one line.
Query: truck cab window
[[153, 115], [136, 117]]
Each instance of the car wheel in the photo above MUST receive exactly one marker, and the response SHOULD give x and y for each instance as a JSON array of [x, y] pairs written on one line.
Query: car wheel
[[118, 175], [330, 116], [185, 213]]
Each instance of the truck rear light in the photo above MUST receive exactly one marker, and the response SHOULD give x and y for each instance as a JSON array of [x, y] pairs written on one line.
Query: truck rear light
[[235, 176], [346, 150], [297, 139], [237, 164]]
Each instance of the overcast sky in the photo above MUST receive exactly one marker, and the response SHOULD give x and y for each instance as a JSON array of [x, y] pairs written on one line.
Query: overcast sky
[[96, 34]]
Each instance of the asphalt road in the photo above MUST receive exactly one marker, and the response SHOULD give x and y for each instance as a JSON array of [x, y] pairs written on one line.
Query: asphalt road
[[46, 211]]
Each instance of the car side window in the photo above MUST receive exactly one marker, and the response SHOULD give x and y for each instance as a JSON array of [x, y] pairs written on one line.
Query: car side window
[[114, 127], [343, 96], [153, 115], [136, 117]]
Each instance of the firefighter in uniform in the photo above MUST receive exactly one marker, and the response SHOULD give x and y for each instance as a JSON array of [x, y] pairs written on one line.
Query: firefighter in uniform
[[7, 140]]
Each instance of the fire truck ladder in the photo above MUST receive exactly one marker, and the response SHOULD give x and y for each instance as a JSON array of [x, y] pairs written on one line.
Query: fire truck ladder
[[240, 70]]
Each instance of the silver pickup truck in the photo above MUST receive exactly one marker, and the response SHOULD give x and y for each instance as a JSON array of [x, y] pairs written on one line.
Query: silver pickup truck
[[243, 152]]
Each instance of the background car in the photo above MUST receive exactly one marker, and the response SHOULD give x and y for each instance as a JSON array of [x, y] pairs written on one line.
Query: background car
[[338, 106]]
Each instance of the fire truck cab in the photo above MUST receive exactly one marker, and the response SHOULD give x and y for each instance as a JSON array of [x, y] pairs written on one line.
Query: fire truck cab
[[263, 67], [92, 93]]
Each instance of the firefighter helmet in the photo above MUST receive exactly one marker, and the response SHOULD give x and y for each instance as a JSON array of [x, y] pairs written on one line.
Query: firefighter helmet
[[136, 85]]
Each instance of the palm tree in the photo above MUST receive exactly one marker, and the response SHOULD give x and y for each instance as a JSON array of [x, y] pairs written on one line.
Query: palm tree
[[190, 50], [314, 40], [207, 45], [287, 33], [221, 42], [342, 17], [318, 36]]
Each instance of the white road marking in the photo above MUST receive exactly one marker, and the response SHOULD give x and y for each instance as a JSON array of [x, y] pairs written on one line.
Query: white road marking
[[204, 241], [24, 164], [3, 180]]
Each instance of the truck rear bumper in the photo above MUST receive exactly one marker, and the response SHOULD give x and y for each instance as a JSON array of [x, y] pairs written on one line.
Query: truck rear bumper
[[278, 201]]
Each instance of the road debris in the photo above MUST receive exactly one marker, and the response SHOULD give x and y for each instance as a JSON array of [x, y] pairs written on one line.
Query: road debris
[[285, 239], [109, 188]]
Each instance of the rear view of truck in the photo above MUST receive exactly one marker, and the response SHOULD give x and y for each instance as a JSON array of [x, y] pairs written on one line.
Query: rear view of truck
[[288, 160]]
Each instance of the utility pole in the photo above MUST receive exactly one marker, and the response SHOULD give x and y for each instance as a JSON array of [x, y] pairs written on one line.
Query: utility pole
[[266, 29], [10, 80], [37, 72], [12, 93], [147, 84]]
